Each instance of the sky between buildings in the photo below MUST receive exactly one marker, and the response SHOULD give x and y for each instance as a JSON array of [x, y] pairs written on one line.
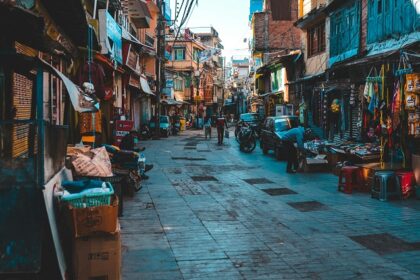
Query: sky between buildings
[[228, 17]]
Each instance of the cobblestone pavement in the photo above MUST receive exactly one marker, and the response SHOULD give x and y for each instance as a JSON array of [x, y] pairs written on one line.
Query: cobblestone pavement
[[210, 212]]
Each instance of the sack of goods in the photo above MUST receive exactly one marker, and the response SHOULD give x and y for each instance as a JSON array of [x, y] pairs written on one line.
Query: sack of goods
[[90, 211], [95, 163]]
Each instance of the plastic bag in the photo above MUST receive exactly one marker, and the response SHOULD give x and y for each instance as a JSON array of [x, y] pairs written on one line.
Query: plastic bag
[[226, 133]]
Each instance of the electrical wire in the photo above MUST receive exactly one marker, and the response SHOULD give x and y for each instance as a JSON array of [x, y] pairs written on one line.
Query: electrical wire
[[184, 17]]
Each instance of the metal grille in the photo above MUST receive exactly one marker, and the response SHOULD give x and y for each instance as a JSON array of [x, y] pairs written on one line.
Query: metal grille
[[279, 191], [385, 243], [307, 206], [256, 181]]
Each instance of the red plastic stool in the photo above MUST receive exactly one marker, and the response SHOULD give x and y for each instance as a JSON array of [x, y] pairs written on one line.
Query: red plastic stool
[[406, 183], [351, 174]]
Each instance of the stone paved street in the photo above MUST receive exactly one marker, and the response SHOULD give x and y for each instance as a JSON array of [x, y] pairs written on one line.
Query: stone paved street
[[206, 213]]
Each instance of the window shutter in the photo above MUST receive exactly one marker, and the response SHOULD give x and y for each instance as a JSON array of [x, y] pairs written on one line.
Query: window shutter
[[372, 22], [379, 19], [409, 16], [387, 17]]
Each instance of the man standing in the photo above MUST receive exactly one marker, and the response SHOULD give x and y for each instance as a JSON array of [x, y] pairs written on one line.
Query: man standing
[[293, 135], [221, 123]]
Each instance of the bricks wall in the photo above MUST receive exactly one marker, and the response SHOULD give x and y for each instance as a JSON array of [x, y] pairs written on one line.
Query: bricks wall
[[281, 34], [259, 31]]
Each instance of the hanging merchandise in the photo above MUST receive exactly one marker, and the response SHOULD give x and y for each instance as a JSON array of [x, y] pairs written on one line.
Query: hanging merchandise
[[302, 111], [335, 106], [412, 82], [97, 75], [396, 106], [87, 125], [411, 101]]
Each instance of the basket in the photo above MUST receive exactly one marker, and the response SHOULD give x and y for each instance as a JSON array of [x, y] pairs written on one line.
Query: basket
[[81, 200]]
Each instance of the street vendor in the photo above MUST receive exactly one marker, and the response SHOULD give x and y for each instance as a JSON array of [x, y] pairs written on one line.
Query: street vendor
[[298, 135]]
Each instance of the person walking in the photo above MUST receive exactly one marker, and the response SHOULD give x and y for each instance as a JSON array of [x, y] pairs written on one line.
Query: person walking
[[221, 123], [298, 135], [207, 127]]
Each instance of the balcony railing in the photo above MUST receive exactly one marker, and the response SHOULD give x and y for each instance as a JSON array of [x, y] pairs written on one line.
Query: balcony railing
[[149, 40]]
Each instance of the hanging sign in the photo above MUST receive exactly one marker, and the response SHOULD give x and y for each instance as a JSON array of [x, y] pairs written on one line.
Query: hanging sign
[[110, 34], [122, 128]]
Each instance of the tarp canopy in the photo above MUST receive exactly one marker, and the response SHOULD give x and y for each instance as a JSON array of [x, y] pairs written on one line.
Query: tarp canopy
[[82, 102], [171, 102], [145, 86]]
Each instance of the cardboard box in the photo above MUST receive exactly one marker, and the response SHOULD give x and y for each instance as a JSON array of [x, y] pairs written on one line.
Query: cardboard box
[[315, 165], [97, 257], [93, 220]]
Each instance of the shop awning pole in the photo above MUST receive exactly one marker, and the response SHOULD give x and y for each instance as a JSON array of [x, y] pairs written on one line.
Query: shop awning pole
[[40, 123]]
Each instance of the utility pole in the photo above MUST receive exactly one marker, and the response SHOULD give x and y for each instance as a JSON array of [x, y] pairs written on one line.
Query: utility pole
[[197, 95], [224, 81], [160, 70]]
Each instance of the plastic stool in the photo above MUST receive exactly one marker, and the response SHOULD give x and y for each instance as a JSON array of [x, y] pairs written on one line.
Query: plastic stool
[[405, 183], [385, 184], [351, 174]]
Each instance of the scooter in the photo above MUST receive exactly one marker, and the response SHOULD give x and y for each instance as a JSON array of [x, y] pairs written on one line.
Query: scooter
[[145, 132], [247, 139], [176, 128]]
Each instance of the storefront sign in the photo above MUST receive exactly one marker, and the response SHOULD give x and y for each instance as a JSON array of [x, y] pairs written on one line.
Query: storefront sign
[[132, 60], [122, 128], [110, 31], [167, 12]]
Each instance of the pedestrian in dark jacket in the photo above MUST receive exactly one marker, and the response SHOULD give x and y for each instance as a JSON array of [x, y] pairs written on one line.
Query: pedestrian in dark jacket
[[221, 123]]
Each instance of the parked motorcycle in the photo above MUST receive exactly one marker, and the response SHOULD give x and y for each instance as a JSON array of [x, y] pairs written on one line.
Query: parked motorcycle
[[145, 132], [247, 139], [127, 164], [176, 128]]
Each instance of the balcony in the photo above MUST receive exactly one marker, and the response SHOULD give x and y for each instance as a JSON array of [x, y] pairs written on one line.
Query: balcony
[[138, 12], [150, 41]]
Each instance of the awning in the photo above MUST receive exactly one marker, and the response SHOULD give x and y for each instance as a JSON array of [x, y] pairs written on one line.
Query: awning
[[133, 40], [82, 102], [279, 61], [271, 93], [307, 78], [171, 102], [145, 86], [70, 15], [139, 13]]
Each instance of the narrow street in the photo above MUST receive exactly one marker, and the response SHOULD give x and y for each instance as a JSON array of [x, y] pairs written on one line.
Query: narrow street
[[210, 212]]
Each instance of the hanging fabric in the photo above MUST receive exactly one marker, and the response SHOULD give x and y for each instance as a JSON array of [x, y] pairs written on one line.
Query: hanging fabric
[[396, 106]]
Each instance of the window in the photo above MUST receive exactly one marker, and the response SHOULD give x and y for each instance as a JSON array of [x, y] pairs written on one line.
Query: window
[[316, 39], [379, 7], [179, 53], [196, 54], [179, 84]]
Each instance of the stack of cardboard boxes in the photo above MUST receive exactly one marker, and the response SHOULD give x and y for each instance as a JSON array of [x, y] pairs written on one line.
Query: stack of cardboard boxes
[[96, 242]]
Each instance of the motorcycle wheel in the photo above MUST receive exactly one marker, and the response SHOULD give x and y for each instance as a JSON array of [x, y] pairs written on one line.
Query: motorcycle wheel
[[134, 180], [248, 146]]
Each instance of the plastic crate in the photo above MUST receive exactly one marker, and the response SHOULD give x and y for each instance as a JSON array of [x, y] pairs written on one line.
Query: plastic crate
[[83, 200]]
